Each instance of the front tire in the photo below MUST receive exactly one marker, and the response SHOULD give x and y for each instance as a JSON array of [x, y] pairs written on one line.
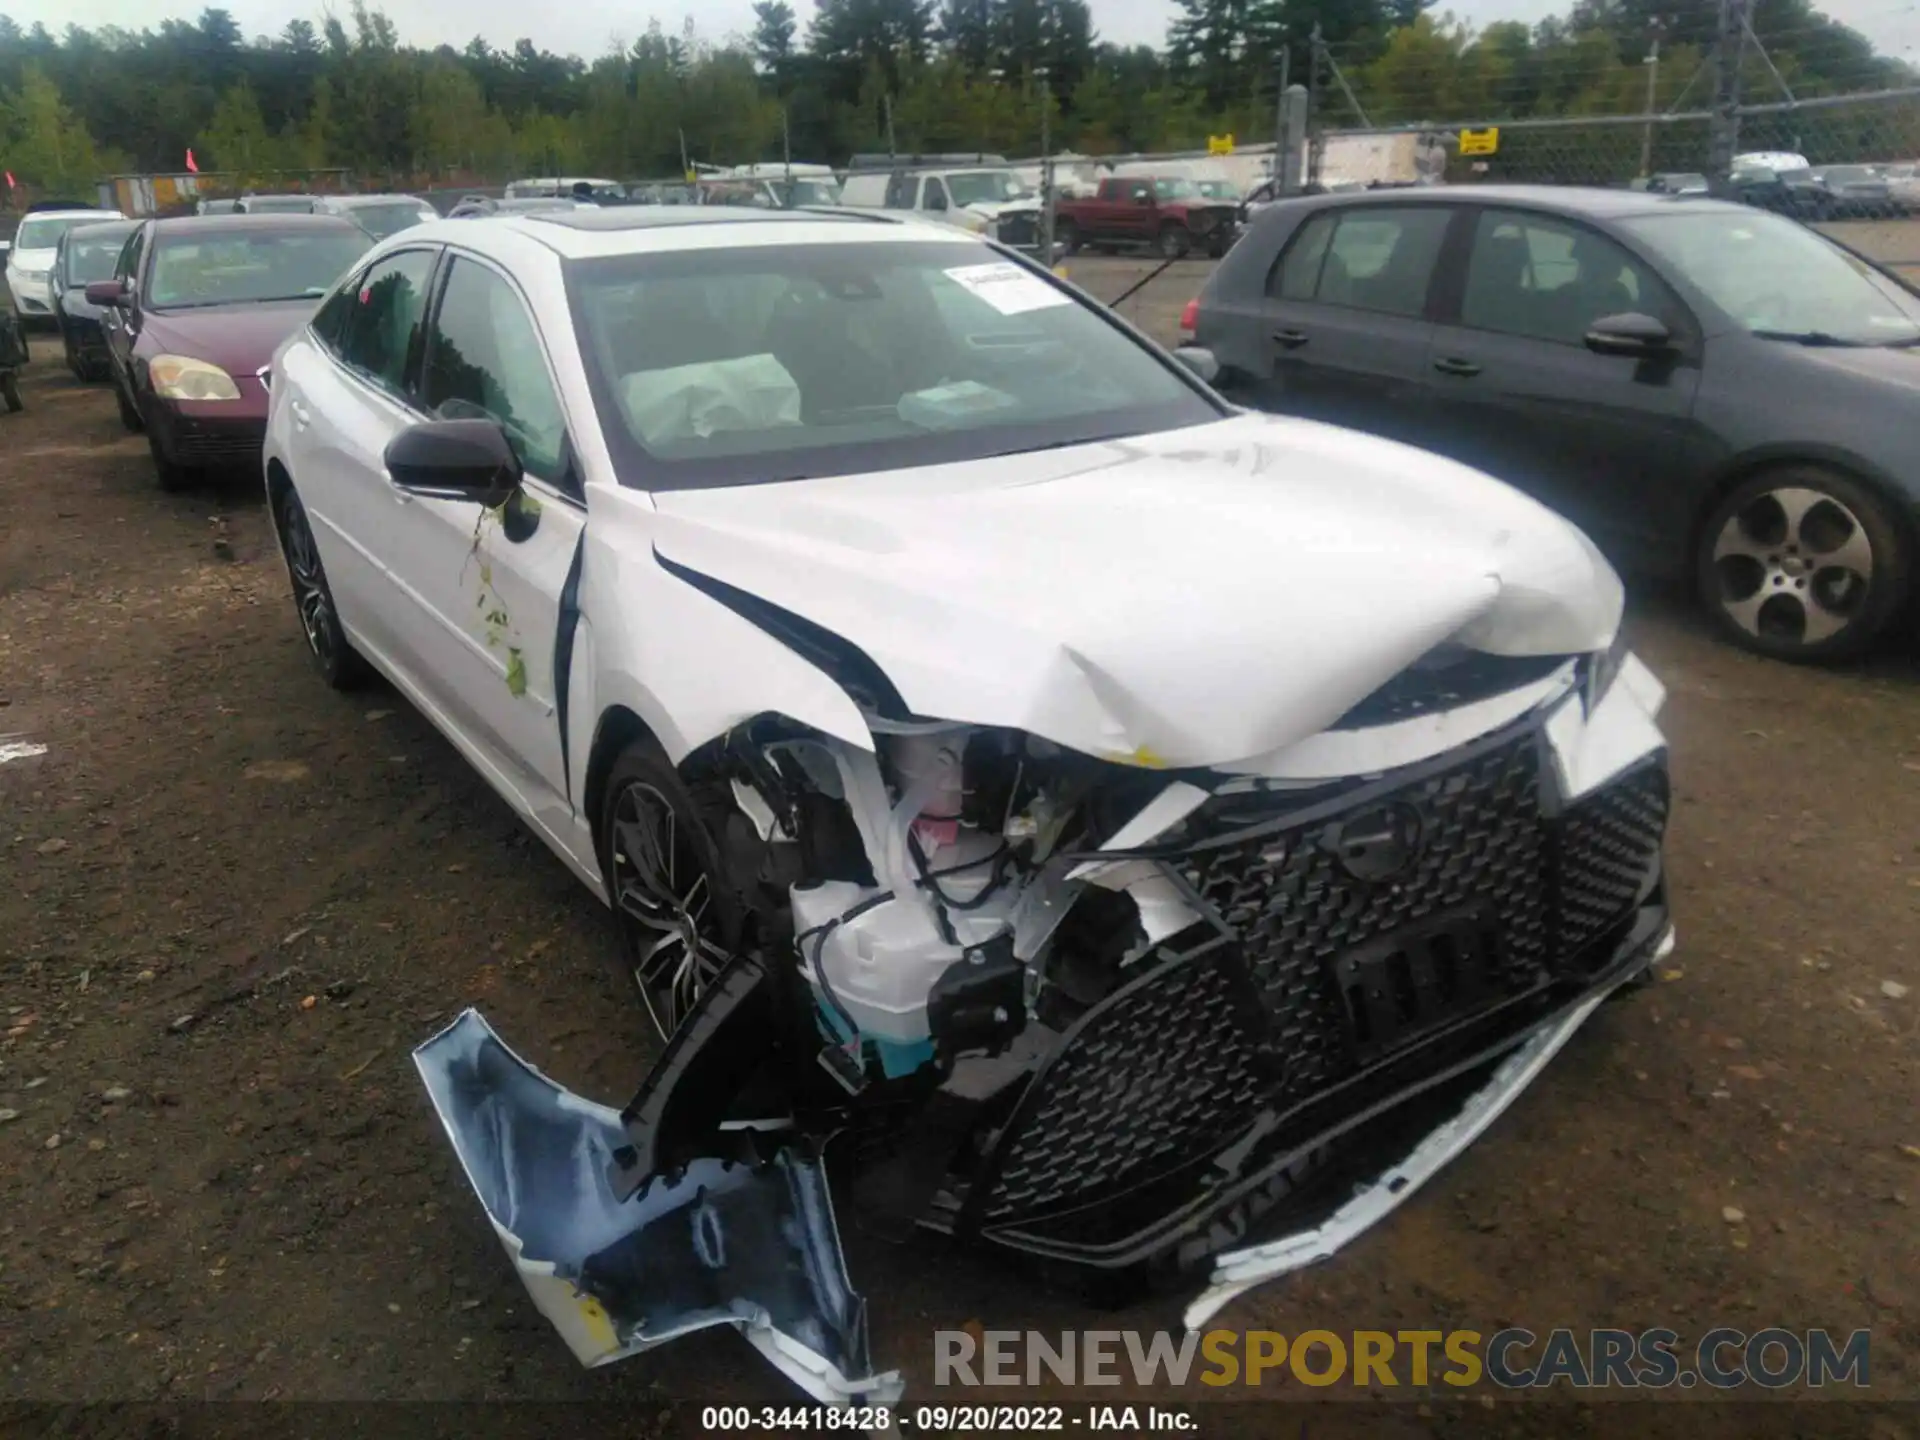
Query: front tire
[[674, 917], [1067, 235], [171, 475], [339, 664], [1174, 241], [1803, 563], [129, 412]]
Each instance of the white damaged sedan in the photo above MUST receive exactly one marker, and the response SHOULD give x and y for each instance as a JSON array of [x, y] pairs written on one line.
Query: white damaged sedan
[[1142, 836]]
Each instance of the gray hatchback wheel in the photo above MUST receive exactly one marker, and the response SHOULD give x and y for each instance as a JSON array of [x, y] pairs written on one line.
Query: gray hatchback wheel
[[1802, 565]]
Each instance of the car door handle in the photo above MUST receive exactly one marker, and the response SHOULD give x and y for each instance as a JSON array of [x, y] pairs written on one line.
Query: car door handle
[[1290, 339], [301, 415], [1454, 365]]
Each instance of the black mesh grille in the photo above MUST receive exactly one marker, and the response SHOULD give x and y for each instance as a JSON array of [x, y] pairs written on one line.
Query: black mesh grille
[[1158, 1072], [1019, 229], [1608, 846], [218, 446], [1482, 843], [1162, 1072]]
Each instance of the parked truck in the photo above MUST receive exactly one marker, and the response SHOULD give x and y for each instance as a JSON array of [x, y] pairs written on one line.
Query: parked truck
[[1167, 212]]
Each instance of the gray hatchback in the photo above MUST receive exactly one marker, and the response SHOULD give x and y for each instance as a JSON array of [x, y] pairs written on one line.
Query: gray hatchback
[[1710, 390]]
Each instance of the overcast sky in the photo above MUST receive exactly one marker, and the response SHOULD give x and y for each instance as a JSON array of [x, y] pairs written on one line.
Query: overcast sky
[[588, 27]]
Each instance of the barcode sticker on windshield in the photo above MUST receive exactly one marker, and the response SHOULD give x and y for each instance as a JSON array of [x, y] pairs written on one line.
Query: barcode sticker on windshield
[[1007, 288]]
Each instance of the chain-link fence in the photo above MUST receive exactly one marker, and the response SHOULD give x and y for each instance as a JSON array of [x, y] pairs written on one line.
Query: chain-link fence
[[1830, 158]]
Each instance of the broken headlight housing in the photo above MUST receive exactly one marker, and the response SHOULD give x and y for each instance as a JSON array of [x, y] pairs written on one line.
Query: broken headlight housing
[[1601, 669]]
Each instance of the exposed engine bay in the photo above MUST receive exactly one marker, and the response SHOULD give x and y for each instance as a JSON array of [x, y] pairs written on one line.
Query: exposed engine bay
[[1107, 1016]]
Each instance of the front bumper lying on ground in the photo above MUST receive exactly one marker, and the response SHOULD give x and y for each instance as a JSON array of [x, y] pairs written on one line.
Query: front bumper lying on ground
[[753, 1247]]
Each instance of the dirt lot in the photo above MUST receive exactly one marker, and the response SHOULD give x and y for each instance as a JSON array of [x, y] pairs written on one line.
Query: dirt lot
[[230, 901]]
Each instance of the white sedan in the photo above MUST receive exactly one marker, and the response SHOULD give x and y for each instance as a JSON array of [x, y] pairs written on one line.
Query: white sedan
[[990, 742]]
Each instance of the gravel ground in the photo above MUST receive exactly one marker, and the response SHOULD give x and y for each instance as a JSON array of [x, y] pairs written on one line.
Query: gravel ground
[[230, 901]]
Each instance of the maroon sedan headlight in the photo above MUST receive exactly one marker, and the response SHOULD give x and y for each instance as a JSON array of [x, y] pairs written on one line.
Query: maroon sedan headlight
[[181, 377]]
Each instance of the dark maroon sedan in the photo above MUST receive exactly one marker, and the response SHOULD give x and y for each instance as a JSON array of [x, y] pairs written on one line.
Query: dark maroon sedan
[[195, 310]]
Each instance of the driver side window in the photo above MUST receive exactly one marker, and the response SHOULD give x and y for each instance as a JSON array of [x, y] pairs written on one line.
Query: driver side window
[[127, 269], [934, 196], [1546, 279], [484, 358], [382, 324]]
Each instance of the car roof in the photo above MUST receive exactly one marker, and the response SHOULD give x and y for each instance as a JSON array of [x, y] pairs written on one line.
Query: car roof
[[385, 198], [1589, 202], [115, 226], [253, 224], [33, 215], [653, 229]]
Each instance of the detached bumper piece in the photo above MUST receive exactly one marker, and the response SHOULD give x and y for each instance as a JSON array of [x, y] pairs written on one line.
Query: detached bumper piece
[[750, 1245]]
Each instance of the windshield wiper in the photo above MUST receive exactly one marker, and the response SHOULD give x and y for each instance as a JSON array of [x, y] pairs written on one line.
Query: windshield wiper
[[1821, 339], [1814, 338]]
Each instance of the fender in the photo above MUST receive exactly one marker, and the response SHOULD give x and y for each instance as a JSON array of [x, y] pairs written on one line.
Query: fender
[[703, 674]]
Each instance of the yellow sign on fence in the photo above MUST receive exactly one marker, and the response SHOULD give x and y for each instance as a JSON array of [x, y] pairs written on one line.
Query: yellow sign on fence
[[1220, 144], [1480, 142]]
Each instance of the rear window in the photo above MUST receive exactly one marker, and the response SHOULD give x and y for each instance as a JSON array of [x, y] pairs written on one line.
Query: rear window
[[238, 268], [762, 363], [91, 258], [389, 218]]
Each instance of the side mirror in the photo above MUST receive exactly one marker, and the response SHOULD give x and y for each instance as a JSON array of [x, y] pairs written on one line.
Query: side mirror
[[936, 202], [111, 294], [1200, 360], [1143, 201], [455, 460], [1629, 334]]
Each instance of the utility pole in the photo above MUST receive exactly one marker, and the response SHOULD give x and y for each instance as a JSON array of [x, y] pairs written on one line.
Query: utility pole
[[1724, 141], [1280, 107], [1046, 168], [886, 105], [1653, 91], [786, 150], [1315, 47]]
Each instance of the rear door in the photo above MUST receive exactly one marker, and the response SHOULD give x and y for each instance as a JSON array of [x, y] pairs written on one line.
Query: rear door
[[346, 397], [1606, 440], [1342, 329]]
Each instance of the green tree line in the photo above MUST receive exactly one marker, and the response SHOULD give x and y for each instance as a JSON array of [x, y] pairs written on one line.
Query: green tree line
[[915, 75]]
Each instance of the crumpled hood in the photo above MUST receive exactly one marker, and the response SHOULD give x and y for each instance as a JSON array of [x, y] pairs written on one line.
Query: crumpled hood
[[1194, 597], [238, 338]]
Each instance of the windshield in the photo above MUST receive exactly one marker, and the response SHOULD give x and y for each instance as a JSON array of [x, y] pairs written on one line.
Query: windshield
[[90, 259], [763, 363], [239, 269], [975, 187], [45, 234], [1218, 189], [389, 217], [1176, 190], [1779, 279]]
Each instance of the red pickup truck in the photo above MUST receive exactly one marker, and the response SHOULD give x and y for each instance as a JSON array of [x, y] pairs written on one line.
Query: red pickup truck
[[1166, 212]]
